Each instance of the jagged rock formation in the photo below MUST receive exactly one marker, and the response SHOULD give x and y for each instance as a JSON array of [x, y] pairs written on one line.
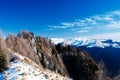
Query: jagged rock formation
[[63, 59]]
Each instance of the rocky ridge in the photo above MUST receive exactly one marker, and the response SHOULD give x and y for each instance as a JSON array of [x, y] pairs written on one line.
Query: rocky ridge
[[64, 60]]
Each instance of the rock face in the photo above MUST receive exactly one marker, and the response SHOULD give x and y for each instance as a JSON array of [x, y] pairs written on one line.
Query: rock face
[[48, 55], [63, 59], [23, 43]]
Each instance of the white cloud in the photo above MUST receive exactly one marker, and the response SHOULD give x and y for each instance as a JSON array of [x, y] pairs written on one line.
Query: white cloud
[[117, 12], [108, 18], [58, 27], [67, 24], [57, 40], [105, 21], [82, 31], [73, 29], [63, 25], [114, 36], [113, 24]]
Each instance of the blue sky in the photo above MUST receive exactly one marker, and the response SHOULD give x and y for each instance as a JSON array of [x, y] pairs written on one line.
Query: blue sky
[[61, 18]]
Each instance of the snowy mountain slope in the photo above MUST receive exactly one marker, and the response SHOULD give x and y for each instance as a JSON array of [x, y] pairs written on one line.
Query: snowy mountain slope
[[25, 69], [20, 70], [89, 42]]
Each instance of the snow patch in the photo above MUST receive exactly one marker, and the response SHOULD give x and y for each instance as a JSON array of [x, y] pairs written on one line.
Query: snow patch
[[57, 40], [20, 70]]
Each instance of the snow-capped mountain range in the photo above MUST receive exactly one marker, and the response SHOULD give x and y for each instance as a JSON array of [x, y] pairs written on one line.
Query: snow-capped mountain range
[[88, 42]]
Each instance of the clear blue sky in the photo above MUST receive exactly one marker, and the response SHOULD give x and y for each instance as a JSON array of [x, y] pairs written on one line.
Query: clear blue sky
[[60, 18]]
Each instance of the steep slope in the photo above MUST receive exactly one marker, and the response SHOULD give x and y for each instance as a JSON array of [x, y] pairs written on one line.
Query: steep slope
[[22, 68], [65, 60], [49, 57], [79, 64]]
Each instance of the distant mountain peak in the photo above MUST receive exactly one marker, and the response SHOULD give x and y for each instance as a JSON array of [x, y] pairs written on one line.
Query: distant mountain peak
[[102, 43]]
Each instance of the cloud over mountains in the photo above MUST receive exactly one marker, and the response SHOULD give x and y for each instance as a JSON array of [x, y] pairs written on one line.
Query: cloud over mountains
[[107, 20]]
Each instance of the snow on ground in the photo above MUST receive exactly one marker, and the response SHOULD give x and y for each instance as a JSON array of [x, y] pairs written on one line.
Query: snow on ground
[[21, 70]]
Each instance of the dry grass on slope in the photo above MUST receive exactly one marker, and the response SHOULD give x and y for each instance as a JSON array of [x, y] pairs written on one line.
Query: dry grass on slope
[[26, 69]]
